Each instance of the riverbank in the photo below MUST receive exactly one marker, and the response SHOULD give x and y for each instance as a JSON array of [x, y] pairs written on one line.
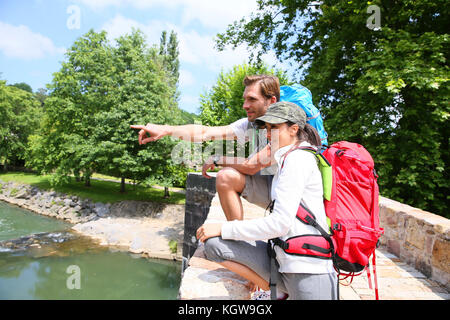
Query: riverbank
[[154, 230]]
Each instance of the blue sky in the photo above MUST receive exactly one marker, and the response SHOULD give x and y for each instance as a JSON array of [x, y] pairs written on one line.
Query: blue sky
[[34, 35]]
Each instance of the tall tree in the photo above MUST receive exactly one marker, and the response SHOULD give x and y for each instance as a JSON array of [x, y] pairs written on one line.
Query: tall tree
[[24, 86], [19, 117], [77, 93], [383, 86], [141, 95], [100, 90], [172, 174]]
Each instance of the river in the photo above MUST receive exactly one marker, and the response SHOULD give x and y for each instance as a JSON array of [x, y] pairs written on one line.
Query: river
[[40, 258]]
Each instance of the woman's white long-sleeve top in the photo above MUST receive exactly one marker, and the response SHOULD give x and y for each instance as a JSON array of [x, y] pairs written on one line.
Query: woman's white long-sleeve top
[[298, 180]]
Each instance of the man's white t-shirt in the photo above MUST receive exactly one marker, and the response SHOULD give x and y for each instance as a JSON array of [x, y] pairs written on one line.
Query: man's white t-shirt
[[246, 131]]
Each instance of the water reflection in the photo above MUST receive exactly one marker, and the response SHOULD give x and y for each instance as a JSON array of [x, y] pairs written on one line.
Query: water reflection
[[36, 267], [103, 275]]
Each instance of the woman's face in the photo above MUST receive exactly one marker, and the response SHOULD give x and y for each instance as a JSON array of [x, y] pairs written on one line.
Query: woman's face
[[281, 135]]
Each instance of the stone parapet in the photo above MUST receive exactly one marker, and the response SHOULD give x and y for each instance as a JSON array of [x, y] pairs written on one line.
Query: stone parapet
[[419, 238], [199, 193]]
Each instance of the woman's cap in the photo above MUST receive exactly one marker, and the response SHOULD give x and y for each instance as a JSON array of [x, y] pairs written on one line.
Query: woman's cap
[[284, 111]]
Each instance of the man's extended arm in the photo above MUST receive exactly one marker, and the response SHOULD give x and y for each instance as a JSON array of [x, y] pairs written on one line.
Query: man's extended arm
[[189, 132]]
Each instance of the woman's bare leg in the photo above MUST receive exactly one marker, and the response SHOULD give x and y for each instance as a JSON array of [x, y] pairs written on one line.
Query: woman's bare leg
[[246, 273]]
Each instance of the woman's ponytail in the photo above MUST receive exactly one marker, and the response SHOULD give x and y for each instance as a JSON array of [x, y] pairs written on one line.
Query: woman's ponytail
[[312, 136], [309, 134]]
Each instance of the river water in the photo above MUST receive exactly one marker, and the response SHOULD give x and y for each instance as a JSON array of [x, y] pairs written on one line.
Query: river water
[[40, 258]]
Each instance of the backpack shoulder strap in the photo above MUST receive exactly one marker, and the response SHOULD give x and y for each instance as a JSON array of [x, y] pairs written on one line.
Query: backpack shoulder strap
[[324, 168]]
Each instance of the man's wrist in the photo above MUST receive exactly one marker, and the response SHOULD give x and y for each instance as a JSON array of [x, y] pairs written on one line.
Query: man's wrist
[[216, 160]]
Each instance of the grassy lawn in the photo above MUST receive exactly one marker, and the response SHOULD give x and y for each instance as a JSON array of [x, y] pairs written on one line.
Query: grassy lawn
[[99, 191]]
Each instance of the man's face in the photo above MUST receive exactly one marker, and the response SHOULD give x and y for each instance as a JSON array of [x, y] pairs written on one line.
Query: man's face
[[255, 104]]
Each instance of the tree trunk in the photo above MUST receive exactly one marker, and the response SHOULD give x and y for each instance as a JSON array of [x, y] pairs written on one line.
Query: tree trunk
[[87, 181], [77, 176], [166, 192], [122, 185]]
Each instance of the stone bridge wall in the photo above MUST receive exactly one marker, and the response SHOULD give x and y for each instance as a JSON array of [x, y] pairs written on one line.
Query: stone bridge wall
[[419, 238]]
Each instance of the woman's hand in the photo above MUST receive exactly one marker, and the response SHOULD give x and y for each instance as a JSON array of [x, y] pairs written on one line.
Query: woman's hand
[[209, 230]]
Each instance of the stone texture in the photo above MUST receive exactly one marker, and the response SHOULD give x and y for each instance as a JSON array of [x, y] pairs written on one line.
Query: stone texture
[[199, 194], [204, 284], [418, 237], [441, 255]]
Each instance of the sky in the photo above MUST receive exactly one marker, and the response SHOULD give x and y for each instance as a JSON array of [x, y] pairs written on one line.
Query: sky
[[34, 35]]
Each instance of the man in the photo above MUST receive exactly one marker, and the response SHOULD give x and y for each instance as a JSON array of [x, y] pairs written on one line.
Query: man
[[239, 177]]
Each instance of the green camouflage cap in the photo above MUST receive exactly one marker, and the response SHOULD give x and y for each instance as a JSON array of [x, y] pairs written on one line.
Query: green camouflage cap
[[284, 111]]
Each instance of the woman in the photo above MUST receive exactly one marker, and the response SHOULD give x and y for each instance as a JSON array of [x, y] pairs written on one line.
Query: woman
[[234, 244]]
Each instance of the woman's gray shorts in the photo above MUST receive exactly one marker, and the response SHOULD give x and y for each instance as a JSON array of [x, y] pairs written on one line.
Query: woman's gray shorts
[[257, 189], [299, 286]]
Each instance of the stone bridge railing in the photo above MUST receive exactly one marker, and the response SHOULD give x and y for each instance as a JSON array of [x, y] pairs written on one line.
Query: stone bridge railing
[[417, 237]]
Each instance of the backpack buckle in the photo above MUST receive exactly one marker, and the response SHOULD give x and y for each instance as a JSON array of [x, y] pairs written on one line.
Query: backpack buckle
[[337, 227]]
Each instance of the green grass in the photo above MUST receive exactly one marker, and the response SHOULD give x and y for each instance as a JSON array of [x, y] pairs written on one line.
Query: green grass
[[99, 191]]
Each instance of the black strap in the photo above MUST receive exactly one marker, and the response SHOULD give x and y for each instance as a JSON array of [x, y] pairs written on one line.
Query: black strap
[[312, 221], [273, 278], [273, 269], [282, 244], [316, 248], [270, 206]]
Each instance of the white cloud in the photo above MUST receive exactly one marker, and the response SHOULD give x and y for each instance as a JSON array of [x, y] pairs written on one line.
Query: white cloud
[[194, 48], [186, 78], [189, 102], [100, 4], [216, 14], [120, 25], [21, 42], [210, 13]]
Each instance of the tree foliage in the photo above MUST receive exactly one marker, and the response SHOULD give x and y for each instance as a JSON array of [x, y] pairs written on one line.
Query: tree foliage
[[100, 90], [20, 114], [386, 88]]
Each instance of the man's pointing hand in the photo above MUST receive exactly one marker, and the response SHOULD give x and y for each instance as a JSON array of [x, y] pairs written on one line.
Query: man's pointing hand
[[154, 131]]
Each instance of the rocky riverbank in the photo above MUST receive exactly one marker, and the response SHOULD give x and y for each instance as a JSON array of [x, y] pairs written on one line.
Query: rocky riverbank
[[152, 229]]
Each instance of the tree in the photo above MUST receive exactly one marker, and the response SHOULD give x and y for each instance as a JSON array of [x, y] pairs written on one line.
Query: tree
[[78, 92], [142, 94], [386, 88], [24, 86], [19, 117], [169, 50], [172, 174], [41, 95], [100, 90]]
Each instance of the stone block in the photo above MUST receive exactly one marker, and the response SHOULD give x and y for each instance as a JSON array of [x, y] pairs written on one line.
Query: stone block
[[414, 234], [441, 255], [220, 284]]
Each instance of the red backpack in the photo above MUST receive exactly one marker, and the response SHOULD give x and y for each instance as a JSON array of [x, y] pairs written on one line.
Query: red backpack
[[351, 205]]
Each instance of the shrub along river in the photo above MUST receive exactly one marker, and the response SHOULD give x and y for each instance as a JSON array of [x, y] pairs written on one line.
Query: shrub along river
[[40, 258]]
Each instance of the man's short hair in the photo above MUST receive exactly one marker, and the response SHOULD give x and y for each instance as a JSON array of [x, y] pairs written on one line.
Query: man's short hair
[[269, 85]]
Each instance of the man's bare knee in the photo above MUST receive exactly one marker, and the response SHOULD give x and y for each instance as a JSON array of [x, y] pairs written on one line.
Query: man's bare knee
[[229, 178]]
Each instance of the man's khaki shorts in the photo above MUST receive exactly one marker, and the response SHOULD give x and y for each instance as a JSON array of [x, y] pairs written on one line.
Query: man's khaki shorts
[[257, 189]]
